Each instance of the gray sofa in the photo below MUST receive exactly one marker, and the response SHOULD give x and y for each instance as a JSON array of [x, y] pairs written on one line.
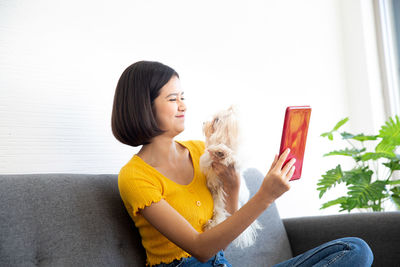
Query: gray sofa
[[80, 220]]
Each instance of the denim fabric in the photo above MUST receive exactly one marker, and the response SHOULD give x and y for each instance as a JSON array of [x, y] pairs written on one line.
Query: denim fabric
[[218, 260], [343, 252]]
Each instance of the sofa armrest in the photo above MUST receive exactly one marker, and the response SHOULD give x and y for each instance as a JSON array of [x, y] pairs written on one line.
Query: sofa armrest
[[381, 230]]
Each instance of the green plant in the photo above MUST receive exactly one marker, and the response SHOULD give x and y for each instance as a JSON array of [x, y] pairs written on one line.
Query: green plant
[[367, 187]]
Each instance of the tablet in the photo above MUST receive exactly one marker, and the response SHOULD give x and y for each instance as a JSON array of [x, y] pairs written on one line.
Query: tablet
[[294, 135]]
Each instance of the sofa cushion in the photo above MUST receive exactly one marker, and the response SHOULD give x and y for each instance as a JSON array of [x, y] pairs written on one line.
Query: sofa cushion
[[272, 245], [65, 220]]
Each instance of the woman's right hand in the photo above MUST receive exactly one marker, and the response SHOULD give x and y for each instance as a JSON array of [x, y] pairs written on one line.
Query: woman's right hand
[[276, 182]]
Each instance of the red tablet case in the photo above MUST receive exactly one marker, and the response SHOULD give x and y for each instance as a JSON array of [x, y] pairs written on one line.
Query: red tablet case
[[294, 135]]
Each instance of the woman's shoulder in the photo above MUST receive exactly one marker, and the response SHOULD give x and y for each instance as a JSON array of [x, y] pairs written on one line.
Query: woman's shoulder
[[195, 146], [134, 169]]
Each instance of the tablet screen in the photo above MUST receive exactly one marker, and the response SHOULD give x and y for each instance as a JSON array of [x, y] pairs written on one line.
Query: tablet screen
[[294, 135]]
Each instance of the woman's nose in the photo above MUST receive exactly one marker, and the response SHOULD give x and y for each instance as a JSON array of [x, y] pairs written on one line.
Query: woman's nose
[[182, 106]]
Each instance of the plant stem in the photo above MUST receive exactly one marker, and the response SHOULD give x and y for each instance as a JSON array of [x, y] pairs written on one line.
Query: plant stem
[[375, 168], [351, 144], [390, 175]]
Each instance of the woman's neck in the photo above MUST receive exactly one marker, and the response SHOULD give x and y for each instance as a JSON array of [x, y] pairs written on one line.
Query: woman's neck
[[162, 150]]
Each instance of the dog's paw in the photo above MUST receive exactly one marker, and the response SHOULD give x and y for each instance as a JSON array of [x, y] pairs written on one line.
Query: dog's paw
[[222, 153], [219, 151]]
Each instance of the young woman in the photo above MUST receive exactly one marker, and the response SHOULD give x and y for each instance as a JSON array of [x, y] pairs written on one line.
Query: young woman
[[166, 194]]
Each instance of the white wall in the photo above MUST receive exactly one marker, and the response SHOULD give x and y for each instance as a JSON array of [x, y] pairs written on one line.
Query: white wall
[[60, 62]]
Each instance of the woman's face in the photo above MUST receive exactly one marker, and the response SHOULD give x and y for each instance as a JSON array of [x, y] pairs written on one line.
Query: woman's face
[[170, 107]]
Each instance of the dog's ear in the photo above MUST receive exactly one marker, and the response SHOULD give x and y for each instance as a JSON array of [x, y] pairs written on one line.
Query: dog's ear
[[229, 131], [215, 123], [207, 129]]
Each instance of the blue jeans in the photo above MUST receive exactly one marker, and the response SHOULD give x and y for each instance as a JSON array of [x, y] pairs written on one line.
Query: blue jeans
[[216, 261], [349, 251], [343, 252]]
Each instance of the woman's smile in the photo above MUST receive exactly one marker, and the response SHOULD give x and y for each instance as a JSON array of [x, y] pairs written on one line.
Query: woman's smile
[[170, 107]]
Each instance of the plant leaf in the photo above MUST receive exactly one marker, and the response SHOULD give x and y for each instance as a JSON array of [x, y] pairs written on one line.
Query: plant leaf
[[349, 204], [359, 137], [340, 124], [338, 201], [390, 134], [346, 135], [362, 193], [331, 178], [386, 148], [360, 175], [362, 137], [394, 182], [375, 156], [328, 134], [337, 126], [396, 200], [393, 164], [391, 130], [396, 195], [346, 152]]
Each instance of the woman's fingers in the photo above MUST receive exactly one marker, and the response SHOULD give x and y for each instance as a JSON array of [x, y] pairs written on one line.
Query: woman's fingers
[[223, 170], [282, 159], [291, 172], [276, 182], [288, 166]]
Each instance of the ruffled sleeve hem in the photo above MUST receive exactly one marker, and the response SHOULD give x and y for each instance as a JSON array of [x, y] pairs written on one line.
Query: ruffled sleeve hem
[[148, 203], [153, 262]]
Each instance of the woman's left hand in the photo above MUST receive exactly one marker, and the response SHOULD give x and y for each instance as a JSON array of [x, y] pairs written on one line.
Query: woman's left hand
[[228, 174]]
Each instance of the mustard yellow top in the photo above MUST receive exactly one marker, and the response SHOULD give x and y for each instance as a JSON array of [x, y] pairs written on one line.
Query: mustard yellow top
[[140, 185]]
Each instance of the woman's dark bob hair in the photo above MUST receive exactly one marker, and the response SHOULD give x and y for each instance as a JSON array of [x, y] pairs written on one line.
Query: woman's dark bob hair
[[133, 117]]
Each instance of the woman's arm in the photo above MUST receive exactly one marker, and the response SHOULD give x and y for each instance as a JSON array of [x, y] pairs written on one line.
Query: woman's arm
[[205, 245], [201, 245]]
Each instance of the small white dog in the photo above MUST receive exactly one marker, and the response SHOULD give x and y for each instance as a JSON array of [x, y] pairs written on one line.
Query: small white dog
[[222, 134]]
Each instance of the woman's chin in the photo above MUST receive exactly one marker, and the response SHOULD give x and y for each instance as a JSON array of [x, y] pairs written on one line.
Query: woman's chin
[[180, 127], [180, 130], [175, 132]]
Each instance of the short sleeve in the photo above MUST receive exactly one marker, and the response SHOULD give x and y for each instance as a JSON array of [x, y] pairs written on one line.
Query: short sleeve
[[138, 191], [200, 146], [195, 146]]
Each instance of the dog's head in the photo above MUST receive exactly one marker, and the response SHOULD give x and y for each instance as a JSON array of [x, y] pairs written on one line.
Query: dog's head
[[222, 128]]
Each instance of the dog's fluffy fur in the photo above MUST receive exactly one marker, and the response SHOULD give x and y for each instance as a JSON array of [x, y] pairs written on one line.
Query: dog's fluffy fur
[[222, 134]]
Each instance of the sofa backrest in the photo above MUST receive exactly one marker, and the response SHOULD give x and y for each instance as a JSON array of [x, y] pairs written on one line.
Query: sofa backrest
[[65, 220], [272, 245], [80, 220]]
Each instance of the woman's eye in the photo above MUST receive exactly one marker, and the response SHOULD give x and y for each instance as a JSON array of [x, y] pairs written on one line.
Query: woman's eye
[[182, 98], [172, 99]]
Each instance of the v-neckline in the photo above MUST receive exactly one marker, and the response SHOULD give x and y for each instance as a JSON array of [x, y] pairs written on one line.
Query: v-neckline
[[157, 171]]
